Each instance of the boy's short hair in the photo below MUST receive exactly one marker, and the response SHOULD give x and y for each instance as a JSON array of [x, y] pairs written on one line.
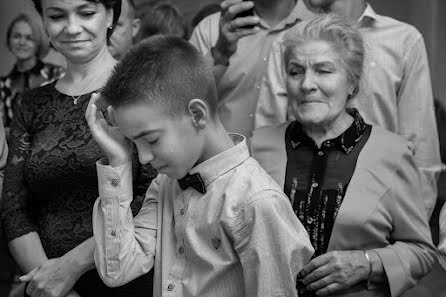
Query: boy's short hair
[[165, 71]]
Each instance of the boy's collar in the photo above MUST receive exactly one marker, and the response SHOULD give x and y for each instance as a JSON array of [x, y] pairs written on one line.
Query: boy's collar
[[223, 162]]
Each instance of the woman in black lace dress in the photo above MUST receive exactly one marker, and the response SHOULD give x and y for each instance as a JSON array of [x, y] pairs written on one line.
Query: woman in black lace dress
[[50, 182]]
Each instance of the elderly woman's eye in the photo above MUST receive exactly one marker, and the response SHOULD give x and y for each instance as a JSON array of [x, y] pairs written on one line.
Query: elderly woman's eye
[[295, 70]]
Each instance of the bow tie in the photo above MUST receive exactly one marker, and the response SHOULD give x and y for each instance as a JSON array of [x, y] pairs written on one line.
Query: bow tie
[[193, 181]]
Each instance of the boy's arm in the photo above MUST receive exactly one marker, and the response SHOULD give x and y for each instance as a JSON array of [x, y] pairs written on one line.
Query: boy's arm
[[125, 246], [272, 244]]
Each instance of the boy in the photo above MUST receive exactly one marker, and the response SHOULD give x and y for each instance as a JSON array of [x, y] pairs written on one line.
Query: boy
[[220, 224]]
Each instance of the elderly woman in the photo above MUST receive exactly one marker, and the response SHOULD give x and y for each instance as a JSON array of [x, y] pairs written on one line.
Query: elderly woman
[[354, 187], [26, 41], [50, 184]]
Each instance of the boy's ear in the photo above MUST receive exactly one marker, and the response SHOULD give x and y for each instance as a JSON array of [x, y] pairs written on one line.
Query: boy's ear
[[199, 112]]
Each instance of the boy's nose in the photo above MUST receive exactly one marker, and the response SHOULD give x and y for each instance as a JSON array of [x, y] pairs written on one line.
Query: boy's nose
[[145, 157]]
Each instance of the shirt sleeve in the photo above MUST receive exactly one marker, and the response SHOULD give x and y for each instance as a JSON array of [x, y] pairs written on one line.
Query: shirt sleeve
[[125, 245], [411, 254], [16, 211], [416, 118], [272, 244], [272, 106]]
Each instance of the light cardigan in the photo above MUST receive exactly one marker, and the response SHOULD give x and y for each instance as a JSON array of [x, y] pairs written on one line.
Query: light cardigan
[[381, 210]]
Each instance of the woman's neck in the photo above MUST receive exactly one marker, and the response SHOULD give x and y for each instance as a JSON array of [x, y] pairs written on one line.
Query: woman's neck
[[78, 72], [273, 11], [26, 64], [321, 133]]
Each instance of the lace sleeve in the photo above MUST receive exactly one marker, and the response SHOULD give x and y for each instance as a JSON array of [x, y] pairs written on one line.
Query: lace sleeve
[[142, 178], [16, 211]]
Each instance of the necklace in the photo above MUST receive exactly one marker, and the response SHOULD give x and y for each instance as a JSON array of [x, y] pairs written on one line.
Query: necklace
[[76, 98]]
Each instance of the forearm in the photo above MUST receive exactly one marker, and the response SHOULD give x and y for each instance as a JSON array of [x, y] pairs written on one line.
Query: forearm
[[125, 246], [81, 258], [27, 251]]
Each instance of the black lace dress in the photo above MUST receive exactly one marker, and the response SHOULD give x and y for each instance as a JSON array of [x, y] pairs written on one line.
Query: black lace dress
[[50, 183]]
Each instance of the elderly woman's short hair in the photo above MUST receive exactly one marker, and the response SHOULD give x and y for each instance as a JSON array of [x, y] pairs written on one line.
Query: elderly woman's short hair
[[38, 36], [342, 35]]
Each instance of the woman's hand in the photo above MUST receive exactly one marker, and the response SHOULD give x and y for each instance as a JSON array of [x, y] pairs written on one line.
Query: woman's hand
[[334, 271], [115, 145], [54, 278], [231, 29]]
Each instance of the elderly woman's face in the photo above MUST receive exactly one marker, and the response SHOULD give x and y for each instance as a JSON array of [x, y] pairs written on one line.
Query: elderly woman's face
[[21, 41], [77, 28], [317, 84]]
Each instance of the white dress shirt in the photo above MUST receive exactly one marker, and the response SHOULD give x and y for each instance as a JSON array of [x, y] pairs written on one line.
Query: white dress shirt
[[240, 238]]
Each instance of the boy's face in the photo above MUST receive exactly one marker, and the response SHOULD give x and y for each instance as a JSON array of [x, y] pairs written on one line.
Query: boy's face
[[171, 145]]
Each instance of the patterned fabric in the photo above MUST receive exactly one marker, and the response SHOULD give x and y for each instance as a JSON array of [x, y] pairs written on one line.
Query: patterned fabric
[[17, 82], [317, 178], [50, 181]]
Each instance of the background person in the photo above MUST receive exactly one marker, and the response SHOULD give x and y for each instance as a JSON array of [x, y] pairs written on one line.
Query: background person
[[26, 41], [354, 186], [161, 18], [396, 92], [125, 30], [50, 182], [239, 55]]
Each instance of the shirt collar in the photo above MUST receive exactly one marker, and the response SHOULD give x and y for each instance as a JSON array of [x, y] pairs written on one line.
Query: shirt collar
[[369, 15], [344, 142], [225, 161]]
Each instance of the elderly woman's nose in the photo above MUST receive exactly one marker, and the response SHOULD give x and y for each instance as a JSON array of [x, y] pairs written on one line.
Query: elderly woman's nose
[[308, 81], [73, 26]]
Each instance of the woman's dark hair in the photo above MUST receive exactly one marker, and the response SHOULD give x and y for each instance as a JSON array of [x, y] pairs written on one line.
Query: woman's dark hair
[[115, 5], [41, 41]]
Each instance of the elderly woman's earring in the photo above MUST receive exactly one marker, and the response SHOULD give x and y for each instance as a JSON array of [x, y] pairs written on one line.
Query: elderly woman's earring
[[110, 27]]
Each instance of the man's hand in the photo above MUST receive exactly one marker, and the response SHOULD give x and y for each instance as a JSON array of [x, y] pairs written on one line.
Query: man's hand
[[231, 29], [116, 146], [54, 278], [334, 271]]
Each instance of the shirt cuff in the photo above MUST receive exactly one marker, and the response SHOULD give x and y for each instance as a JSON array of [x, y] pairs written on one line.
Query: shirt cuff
[[114, 181]]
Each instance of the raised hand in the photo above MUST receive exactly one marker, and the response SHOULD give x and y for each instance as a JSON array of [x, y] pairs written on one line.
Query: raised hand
[[232, 28], [114, 144]]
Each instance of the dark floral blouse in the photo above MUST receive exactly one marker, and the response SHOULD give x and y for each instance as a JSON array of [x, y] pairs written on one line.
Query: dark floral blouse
[[50, 183], [17, 82]]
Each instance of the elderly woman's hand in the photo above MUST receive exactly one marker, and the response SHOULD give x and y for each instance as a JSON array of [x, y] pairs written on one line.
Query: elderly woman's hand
[[335, 271]]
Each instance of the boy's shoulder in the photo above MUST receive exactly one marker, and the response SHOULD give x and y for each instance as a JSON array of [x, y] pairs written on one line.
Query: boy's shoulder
[[249, 180]]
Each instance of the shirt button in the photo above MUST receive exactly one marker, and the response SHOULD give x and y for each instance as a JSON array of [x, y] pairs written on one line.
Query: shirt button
[[264, 59], [170, 287], [251, 115], [113, 233], [182, 211], [181, 250], [315, 184], [320, 153], [115, 182]]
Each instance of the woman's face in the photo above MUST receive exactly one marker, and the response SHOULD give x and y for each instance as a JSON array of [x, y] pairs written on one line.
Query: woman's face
[[21, 41], [317, 84], [77, 28]]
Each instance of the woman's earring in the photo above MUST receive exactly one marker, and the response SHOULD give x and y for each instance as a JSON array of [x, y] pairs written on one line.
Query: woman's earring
[[110, 27]]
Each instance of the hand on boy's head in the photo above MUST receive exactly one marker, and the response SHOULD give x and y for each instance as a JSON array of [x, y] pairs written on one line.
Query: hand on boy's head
[[112, 142]]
